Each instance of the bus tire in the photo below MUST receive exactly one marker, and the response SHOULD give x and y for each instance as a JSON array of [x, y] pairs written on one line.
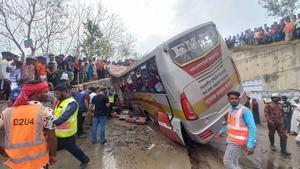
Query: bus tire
[[188, 141], [150, 118]]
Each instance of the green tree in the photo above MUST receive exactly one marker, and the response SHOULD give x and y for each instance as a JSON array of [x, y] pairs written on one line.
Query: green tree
[[93, 41], [280, 8]]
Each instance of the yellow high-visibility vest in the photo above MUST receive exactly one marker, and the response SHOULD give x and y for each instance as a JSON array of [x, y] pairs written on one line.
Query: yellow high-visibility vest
[[111, 99], [68, 128]]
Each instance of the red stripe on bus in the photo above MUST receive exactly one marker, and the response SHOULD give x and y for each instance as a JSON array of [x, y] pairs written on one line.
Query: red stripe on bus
[[201, 65], [218, 93], [206, 134]]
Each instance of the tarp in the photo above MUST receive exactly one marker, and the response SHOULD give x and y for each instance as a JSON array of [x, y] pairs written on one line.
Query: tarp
[[117, 70]]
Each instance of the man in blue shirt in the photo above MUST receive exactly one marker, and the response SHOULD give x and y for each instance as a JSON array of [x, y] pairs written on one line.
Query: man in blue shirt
[[16, 91], [240, 129]]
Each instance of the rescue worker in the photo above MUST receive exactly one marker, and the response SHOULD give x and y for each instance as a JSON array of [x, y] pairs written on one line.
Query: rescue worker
[[275, 119], [66, 124], [111, 98], [30, 141], [240, 129], [288, 113]]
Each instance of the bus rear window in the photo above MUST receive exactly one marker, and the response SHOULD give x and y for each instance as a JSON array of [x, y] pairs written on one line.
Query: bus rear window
[[192, 45]]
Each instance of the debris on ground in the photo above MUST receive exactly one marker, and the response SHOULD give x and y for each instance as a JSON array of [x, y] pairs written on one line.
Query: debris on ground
[[129, 117]]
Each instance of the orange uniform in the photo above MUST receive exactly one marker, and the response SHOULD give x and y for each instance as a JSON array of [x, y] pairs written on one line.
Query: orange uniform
[[237, 130], [25, 143]]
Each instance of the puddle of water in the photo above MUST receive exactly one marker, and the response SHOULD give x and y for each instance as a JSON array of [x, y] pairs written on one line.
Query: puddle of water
[[109, 161]]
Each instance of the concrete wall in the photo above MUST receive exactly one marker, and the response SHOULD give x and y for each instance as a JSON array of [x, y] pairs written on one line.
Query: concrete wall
[[278, 64], [98, 83]]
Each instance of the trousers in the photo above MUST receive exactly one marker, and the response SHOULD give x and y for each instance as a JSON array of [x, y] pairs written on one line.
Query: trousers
[[99, 121], [280, 128], [80, 121], [232, 155], [288, 120], [69, 144]]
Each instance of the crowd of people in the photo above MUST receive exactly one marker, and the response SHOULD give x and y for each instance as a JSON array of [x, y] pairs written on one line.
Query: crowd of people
[[51, 106], [50, 88], [286, 29], [63, 119], [60, 69], [126, 62]]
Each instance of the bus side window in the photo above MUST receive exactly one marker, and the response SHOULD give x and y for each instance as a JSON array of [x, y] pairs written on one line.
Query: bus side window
[[130, 87], [136, 80], [145, 78], [155, 83]]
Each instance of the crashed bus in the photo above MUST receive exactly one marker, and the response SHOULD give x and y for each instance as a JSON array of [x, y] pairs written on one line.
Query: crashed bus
[[182, 84]]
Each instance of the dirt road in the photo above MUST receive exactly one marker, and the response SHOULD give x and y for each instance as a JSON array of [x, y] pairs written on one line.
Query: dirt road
[[131, 146]]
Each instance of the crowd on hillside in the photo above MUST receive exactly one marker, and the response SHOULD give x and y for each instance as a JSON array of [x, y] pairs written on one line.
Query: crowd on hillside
[[59, 69], [286, 29]]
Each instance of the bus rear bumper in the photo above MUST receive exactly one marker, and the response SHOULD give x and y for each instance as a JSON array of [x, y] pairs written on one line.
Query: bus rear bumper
[[205, 134]]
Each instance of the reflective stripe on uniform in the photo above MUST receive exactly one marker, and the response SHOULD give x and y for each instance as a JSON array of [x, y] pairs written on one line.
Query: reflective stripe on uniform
[[28, 158], [237, 115], [39, 138], [63, 130], [238, 137], [238, 128]]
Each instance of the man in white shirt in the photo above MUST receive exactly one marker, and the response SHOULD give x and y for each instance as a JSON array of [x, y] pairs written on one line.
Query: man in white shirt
[[295, 116], [5, 67], [92, 91]]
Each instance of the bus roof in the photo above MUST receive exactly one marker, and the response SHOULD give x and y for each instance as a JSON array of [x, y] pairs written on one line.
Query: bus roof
[[117, 70], [189, 30]]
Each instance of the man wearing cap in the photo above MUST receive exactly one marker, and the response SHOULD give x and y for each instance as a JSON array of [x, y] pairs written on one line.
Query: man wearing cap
[[275, 118], [240, 129], [30, 140]]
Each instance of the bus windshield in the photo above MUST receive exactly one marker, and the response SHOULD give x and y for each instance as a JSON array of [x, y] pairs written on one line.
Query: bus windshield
[[193, 45]]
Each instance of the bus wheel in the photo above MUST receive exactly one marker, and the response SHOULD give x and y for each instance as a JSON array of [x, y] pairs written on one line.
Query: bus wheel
[[150, 118], [188, 141]]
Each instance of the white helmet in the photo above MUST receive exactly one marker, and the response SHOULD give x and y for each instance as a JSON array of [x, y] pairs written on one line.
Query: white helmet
[[275, 95]]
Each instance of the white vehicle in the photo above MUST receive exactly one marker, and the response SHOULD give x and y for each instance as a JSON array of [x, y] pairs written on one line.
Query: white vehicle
[[183, 83]]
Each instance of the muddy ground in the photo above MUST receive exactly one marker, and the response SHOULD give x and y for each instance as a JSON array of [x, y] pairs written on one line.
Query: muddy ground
[[131, 146]]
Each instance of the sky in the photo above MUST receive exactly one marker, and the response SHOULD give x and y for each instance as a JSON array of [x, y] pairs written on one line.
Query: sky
[[154, 21]]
